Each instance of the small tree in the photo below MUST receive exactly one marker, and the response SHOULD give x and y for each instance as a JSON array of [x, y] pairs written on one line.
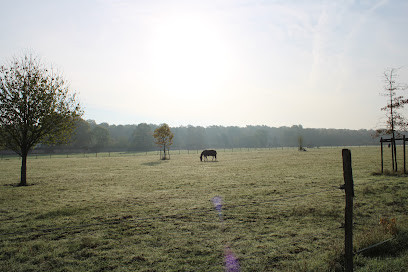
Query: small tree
[[395, 121], [35, 107], [163, 137]]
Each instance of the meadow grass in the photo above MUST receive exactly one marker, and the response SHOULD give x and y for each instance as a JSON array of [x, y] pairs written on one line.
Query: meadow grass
[[282, 211]]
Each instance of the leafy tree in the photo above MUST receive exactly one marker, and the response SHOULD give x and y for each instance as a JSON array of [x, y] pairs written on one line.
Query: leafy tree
[[142, 139], [36, 106], [105, 125], [395, 122], [99, 137], [196, 138], [163, 137], [82, 135], [261, 138], [120, 136]]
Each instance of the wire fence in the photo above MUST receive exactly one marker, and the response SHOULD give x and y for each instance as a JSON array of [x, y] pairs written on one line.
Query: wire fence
[[206, 216], [42, 154], [177, 214], [228, 223], [228, 217]]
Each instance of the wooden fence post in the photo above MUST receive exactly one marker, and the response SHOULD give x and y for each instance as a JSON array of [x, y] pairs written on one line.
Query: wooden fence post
[[395, 155], [382, 154], [348, 222], [403, 140]]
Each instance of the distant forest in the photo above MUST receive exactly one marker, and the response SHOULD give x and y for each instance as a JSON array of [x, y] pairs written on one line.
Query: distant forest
[[92, 137]]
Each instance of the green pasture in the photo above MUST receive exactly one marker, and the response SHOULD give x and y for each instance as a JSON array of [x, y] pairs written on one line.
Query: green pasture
[[282, 211]]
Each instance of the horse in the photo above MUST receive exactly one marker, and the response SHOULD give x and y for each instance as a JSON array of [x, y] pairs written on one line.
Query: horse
[[206, 153]]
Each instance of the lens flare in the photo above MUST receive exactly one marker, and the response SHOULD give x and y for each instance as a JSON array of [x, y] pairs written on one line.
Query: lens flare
[[231, 261], [218, 205]]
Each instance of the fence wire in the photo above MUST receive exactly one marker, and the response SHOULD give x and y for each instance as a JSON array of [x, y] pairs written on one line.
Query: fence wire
[[179, 214], [203, 216]]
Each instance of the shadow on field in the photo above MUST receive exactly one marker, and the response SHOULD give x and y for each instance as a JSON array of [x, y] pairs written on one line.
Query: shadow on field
[[17, 185], [155, 163]]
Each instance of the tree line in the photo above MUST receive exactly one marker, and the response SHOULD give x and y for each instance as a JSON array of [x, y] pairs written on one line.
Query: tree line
[[39, 111], [92, 137]]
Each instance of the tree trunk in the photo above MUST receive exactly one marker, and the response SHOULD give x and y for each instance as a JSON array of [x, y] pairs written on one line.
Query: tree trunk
[[23, 180], [392, 155], [395, 155]]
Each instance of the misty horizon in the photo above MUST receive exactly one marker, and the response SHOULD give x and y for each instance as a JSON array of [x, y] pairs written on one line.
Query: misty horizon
[[319, 64]]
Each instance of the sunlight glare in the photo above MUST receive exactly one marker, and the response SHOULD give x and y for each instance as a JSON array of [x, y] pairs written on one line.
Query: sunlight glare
[[189, 57]]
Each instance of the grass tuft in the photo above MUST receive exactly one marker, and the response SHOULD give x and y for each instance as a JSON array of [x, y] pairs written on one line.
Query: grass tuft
[[61, 212], [389, 173]]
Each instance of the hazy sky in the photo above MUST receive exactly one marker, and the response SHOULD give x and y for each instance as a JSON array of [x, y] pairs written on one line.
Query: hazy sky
[[232, 62]]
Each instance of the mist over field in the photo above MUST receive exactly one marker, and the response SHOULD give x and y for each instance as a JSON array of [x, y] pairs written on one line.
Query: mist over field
[[172, 135], [92, 137], [229, 63]]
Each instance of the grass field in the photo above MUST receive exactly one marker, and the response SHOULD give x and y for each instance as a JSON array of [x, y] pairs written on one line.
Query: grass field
[[282, 211]]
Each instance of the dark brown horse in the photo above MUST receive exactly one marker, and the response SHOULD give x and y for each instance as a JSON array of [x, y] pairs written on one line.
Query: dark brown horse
[[207, 153]]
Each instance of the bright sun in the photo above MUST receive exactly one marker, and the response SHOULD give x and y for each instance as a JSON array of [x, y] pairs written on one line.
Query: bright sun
[[189, 56]]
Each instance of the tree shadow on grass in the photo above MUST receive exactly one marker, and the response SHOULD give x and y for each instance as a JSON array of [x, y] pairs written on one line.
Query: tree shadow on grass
[[18, 185], [154, 163]]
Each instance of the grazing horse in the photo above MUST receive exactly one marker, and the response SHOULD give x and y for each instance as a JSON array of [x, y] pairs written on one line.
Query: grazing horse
[[206, 153]]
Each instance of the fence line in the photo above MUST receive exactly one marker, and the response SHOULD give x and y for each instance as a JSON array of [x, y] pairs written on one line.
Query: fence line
[[180, 213], [106, 154]]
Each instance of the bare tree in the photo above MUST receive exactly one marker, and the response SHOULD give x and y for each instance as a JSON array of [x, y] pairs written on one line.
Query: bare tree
[[395, 122]]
